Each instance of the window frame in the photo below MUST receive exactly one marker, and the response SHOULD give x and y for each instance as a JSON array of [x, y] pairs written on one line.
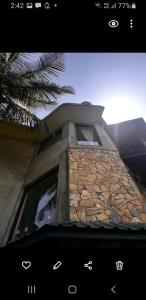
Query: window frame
[[88, 143], [16, 223]]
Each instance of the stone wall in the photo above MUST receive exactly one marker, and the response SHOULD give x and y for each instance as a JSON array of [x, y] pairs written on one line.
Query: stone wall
[[100, 188]]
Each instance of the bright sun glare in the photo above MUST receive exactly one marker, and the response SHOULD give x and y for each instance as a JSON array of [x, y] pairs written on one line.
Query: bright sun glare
[[120, 109]]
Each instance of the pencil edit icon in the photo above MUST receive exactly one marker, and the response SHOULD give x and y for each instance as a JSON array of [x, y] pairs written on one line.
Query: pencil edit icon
[[57, 265]]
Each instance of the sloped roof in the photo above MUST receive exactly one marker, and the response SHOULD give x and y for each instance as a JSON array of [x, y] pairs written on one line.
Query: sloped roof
[[75, 112], [79, 113], [90, 231]]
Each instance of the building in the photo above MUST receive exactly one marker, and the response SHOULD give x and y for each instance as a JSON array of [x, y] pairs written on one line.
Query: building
[[130, 139], [73, 169]]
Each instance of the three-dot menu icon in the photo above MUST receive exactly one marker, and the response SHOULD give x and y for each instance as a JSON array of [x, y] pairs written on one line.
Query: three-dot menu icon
[[131, 23]]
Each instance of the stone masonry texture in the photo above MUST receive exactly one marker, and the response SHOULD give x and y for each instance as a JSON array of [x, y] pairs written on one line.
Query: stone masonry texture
[[101, 189]]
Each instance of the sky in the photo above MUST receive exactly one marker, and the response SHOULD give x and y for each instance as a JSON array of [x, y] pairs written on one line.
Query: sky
[[116, 81]]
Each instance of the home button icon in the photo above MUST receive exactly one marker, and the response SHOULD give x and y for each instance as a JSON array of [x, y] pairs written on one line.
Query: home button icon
[[72, 289]]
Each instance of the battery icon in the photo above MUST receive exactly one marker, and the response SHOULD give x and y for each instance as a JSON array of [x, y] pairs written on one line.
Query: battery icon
[[133, 5]]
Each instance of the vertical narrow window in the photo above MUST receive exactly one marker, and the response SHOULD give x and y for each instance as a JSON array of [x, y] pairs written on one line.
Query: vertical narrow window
[[39, 205]]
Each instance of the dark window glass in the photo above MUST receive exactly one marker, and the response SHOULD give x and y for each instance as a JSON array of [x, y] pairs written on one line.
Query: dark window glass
[[54, 137], [39, 205], [87, 135]]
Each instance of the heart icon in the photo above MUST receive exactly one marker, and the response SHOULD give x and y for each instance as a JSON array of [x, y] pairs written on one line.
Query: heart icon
[[26, 264]]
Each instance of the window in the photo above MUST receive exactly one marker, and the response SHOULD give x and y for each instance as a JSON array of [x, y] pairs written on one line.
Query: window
[[54, 137], [87, 135], [39, 206]]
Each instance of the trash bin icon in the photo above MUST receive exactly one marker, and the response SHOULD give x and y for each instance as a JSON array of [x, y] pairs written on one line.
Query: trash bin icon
[[119, 265]]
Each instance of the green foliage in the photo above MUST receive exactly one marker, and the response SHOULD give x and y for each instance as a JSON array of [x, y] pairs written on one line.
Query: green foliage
[[27, 85]]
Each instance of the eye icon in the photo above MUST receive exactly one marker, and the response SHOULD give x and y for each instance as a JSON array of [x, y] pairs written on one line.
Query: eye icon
[[113, 23]]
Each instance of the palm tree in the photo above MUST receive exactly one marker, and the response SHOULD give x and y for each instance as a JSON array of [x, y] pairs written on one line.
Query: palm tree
[[26, 85]]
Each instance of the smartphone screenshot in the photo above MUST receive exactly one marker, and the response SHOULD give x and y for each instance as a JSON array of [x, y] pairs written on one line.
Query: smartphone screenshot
[[72, 149]]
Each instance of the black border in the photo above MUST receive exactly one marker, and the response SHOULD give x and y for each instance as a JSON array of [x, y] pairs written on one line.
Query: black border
[[73, 28]]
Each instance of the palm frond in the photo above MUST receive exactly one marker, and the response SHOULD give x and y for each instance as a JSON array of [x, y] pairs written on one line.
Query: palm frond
[[3, 57], [45, 68], [31, 96], [13, 57], [27, 85], [12, 111], [19, 63]]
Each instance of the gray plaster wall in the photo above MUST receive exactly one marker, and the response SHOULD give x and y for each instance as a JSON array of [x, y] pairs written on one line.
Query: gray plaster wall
[[15, 158], [21, 165], [46, 160], [105, 138]]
